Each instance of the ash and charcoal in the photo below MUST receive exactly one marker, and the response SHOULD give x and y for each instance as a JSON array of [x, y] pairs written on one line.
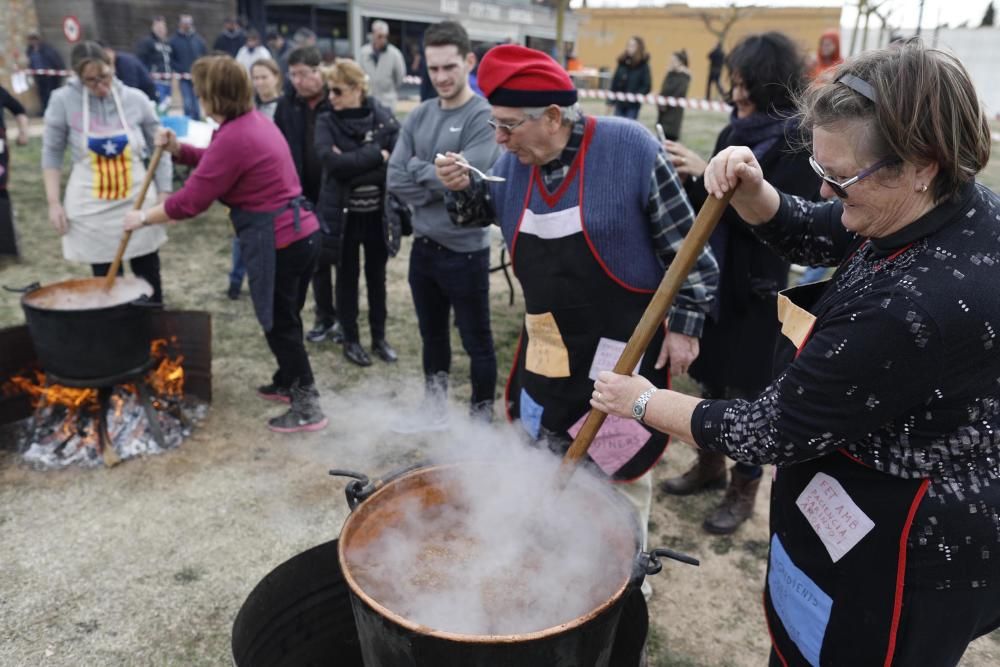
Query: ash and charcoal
[[54, 437]]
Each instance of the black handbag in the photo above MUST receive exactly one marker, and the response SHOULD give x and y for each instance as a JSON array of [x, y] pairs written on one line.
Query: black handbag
[[398, 222]]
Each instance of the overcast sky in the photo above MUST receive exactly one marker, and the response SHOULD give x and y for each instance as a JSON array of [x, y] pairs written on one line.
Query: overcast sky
[[904, 13]]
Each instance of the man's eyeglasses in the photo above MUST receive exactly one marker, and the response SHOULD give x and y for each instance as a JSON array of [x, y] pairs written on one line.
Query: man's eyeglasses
[[840, 187], [508, 128]]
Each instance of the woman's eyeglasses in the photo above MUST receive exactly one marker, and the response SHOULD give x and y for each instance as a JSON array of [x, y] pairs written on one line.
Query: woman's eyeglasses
[[100, 78], [840, 187], [336, 91]]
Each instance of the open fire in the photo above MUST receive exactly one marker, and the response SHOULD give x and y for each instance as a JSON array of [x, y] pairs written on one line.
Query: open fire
[[91, 425]]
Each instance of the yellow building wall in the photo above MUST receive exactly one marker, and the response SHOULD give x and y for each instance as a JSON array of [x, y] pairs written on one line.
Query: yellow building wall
[[603, 33]]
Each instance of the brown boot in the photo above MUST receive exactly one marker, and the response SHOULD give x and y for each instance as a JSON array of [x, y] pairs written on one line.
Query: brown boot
[[736, 506], [708, 472]]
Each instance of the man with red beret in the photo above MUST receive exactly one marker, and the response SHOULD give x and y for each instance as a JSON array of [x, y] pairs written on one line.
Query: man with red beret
[[592, 212]]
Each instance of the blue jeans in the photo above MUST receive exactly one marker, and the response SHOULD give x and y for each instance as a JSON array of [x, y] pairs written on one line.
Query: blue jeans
[[442, 280], [627, 110], [191, 108], [239, 270]]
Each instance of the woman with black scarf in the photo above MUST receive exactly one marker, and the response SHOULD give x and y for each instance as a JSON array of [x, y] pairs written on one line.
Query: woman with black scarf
[[766, 72], [354, 142]]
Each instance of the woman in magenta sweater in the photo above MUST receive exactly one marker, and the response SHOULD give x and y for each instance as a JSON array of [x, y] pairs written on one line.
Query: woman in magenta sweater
[[249, 168]]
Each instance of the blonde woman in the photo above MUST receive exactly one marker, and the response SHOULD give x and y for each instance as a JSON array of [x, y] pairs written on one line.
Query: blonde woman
[[353, 143]]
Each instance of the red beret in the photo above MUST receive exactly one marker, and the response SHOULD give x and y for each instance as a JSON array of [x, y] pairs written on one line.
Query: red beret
[[516, 76]]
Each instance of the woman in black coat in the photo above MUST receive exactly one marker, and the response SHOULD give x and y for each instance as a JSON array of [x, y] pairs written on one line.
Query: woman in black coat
[[632, 76], [765, 73], [354, 142]]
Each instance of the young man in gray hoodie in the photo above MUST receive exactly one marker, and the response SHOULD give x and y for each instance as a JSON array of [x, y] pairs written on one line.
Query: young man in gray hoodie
[[449, 265]]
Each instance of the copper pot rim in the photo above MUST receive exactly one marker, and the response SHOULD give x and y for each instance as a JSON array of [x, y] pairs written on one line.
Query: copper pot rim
[[143, 288], [460, 637]]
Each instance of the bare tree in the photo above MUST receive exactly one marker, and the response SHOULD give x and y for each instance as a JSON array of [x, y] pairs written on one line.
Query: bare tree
[[720, 23]]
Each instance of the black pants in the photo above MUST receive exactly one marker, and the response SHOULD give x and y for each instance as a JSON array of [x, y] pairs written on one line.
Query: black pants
[[441, 279], [322, 284], [146, 267], [293, 268], [362, 230], [713, 77], [8, 237]]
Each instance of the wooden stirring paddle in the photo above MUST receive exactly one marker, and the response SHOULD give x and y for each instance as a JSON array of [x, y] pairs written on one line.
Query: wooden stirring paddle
[[109, 280], [652, 319]]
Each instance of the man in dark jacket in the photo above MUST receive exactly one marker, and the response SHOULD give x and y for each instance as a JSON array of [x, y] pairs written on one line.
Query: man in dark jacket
[[231, 38], [42, 56], [153, 51], [716, 58], [296, 117], [187, 46], [130, 71]]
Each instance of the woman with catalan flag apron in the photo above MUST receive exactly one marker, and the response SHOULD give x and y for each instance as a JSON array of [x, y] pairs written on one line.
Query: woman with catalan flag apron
[[108, 127]]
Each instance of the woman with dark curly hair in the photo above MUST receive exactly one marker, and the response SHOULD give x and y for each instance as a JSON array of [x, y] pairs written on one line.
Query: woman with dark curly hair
[[765, 72], [884, 423]]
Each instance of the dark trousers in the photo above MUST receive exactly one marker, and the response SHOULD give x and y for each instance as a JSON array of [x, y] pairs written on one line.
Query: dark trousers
[[363, 230], [46, 85], [713, 77], [146, 266], [627, 110], [294, 266], [8, 237], [441, 279], [936, 626], [191, 108], [239, 269], [322, 284]]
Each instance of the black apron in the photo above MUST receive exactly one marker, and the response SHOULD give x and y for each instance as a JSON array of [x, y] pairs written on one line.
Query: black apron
[[255, 233], [577, 318], [839, 529]]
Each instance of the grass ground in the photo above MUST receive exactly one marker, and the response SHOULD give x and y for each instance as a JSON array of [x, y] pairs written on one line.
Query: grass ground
[[148, 563]]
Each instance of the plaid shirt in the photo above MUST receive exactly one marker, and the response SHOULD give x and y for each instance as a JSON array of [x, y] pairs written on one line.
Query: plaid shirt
[[670, 218]]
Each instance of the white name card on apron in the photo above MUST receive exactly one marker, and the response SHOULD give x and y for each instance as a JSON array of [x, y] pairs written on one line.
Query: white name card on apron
[[836, 518]]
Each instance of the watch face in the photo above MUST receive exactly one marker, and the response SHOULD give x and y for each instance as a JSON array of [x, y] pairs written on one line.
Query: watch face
[[638, 410]]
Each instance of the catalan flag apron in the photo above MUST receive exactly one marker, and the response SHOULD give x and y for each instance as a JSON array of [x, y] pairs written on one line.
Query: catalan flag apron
[[102, 188]]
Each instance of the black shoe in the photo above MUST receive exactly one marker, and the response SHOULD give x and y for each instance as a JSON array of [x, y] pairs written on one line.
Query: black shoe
[[272, 392], [320, 331], [356, 354], [336, 333], [384, 351], [234, 291]]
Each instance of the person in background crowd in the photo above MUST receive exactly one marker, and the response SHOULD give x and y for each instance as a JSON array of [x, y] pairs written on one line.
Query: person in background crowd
[[632, 75], [354, 143], [883, 424], [41, 55], [300, 38], [186, 46], [480, 51], [252, 50], [266, 79], [248, 166], [716, 59], [383, 63], [449, 266], [232, 38], [130, 71], [827, 55], [675, 84], [296, 116], [154, 51], [766, 73], [826, 60], [109, 129], [415, 65], [8, 237], [279, 49], [588, 259]]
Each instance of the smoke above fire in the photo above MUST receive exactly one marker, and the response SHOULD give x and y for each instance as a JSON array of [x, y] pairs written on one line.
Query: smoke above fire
[[508, 553]]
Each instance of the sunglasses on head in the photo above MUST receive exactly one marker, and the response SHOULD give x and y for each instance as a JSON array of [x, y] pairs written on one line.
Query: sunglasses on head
[[840, 187]]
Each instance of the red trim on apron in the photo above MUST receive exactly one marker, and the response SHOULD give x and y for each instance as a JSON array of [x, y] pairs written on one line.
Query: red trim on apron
[[552, 199], [897, 607], [767, 621]]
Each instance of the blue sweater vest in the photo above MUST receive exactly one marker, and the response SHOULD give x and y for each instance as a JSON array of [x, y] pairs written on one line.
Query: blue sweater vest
[[615, 181]]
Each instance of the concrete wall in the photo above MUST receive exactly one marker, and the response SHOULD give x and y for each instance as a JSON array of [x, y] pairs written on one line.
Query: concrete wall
[[602, 34]]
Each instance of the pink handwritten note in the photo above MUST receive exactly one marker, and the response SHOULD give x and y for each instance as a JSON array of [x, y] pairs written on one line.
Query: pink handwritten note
[[616, 443]]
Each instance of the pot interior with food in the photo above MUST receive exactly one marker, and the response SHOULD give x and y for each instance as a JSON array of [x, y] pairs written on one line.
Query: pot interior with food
[[88, 294], [486, 549]]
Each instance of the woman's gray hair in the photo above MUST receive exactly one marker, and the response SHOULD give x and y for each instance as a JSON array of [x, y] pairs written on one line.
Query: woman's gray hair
[[569, 114]]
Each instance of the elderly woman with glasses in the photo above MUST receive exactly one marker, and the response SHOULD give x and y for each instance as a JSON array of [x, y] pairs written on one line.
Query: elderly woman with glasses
[[109, 129], [884, 422]]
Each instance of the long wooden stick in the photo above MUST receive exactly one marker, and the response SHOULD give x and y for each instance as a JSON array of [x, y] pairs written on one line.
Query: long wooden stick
[[109, 281], [652, 319]]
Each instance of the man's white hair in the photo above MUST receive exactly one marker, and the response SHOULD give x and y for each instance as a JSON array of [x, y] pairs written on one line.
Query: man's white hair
[[570, 114], [380, 26]]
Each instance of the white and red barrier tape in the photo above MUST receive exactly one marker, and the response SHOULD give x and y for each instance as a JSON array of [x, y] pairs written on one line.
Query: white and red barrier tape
[[66, 72]]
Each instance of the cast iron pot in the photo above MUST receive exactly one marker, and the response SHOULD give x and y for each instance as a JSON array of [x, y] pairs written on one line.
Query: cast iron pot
[[90, 343], [388, 639]]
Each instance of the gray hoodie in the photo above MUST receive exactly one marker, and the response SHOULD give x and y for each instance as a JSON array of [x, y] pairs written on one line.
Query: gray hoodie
[[64, 125]]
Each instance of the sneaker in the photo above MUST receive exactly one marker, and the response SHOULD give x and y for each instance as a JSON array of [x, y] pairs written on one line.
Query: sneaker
[[305, 413], [324, 330], [384, 351], [356, 354], [234, 291], [272, 392]]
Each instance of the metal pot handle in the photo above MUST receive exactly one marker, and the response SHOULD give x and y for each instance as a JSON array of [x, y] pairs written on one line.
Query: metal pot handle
[[358, 490], [23, 290], [649, 563]]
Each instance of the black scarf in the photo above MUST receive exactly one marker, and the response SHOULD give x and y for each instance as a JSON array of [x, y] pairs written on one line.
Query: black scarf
[[759, 131]]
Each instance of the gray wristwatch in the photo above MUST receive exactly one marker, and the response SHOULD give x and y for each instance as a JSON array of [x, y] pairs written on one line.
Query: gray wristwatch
[[639, 407]]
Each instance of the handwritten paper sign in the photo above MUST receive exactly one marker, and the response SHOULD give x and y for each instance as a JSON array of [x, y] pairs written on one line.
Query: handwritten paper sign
[[796, 322], [547, 354], [834, 516], [616, 443], [803, 607], [607, 355]]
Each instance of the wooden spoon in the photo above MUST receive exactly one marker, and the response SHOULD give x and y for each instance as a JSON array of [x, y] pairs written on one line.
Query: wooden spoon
[[109, 280]]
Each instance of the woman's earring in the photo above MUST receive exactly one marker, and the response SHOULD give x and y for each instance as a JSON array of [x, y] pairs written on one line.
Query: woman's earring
[[923, 188]]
